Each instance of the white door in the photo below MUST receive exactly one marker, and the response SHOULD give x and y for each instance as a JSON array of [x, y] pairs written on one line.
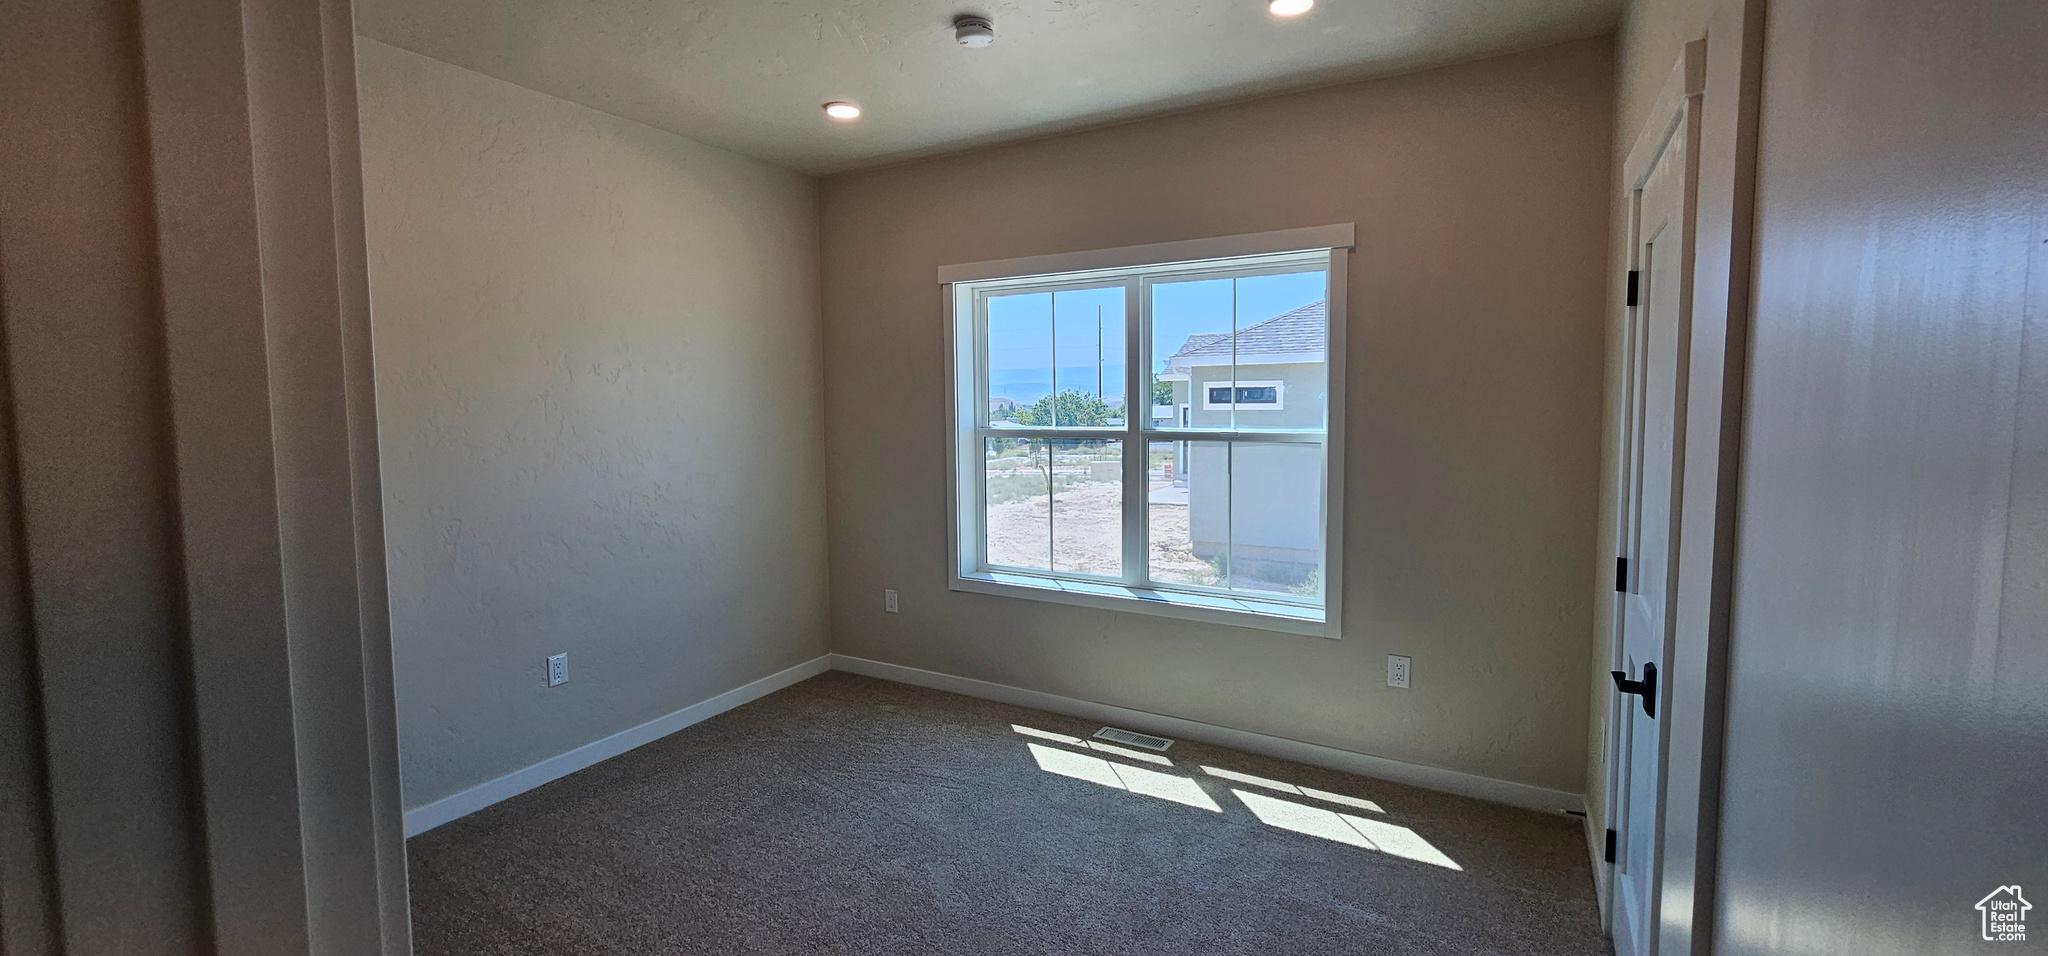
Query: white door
[[1658, 328]]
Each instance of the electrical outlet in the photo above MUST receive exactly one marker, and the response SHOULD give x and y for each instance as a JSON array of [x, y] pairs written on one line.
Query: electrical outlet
[[1397, 671], [889, 600], [558, 670]]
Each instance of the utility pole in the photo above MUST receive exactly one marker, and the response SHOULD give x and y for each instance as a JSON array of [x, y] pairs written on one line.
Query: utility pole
[[1098, 354]]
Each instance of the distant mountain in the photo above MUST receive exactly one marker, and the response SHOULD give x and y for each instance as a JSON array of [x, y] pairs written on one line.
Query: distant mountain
[[1027, 385]]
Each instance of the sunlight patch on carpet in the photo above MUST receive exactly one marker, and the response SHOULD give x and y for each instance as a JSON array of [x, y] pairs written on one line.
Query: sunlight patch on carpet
[[1095, 745], [1284, 787], [1151, 783], [1391, 839]]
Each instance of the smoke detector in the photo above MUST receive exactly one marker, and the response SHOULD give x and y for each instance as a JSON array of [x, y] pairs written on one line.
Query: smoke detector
[[973, 31]]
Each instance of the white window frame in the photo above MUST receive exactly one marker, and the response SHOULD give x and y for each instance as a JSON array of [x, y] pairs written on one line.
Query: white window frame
[[1290, 249], [1278, 403]]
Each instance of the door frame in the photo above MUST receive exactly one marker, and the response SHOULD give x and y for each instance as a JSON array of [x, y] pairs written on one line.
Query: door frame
[[1723, 262], [1728, 78], [216, 676], [1677, 107]]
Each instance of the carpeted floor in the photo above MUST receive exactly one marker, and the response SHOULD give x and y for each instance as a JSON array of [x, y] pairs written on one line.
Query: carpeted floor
[[852, 815]]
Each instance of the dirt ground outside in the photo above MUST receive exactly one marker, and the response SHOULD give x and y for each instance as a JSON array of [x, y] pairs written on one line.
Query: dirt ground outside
[[1086, 534]]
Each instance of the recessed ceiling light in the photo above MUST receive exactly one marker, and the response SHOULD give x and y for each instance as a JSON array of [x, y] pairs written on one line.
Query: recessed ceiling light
[[1290, 8], [842, 111]]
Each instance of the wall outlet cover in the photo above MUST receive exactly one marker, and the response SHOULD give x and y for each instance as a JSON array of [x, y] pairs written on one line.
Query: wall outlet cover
[[1397, 671], [889, 600], [558, 670]]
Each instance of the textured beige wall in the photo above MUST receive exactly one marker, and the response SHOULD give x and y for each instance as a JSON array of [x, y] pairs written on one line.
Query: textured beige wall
[[1474, 386], [1650, 42], [598, 387]]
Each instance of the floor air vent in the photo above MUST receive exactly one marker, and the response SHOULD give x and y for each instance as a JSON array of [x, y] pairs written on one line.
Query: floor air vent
[[1147, 741]]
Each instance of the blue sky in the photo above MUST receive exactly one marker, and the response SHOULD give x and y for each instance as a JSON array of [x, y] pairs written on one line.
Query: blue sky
[[1022, 333], [1024, 328]]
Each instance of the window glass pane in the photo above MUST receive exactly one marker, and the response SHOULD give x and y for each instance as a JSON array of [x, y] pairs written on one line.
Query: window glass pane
[[1191, 327], [1245, 353], [1246, 516], [1020, 355], [1015, 485], [1088, 507], [1233, 346], [1276, 518], [1188, 505], [1282, 331], [1088, 331]]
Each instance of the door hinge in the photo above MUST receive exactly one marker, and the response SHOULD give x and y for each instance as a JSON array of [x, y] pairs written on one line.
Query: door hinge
[[1633, 278], [1621, 574], [1607, 855]]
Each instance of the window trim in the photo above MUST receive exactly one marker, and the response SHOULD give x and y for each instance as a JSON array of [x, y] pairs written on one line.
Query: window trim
[[967, 420]]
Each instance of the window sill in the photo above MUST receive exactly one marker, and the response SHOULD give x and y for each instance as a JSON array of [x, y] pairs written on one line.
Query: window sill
[[1216, 609]]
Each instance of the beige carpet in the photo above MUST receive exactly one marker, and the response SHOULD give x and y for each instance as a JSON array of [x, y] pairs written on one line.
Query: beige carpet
[[852, 815]]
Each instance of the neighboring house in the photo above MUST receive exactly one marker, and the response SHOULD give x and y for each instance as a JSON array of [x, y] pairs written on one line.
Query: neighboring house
[[1281, 381]]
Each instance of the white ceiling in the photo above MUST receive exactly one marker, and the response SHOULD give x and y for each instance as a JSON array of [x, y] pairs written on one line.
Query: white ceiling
[[751, 75]]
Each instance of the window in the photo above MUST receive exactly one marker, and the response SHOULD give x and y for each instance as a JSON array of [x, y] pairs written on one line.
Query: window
[[1250, 395], [1153, 429]]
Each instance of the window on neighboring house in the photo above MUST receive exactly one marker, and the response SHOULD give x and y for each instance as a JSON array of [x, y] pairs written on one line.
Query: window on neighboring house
[[1155, 437], [1253, 395]]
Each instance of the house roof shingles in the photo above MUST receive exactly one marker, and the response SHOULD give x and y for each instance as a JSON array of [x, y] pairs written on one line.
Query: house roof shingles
[[1302, 330]]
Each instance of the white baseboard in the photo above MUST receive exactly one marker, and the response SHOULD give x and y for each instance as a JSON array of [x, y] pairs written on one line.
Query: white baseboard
[[1365, 765], [421, 819]]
